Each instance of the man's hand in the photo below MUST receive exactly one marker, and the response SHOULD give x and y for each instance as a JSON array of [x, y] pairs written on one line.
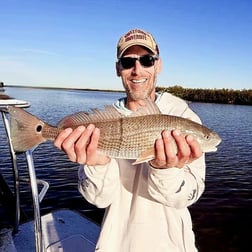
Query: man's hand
[[81, 145], [188, 149]]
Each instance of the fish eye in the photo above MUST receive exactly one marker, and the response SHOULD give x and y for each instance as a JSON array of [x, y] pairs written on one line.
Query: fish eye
[[39, 128], [206, 137]]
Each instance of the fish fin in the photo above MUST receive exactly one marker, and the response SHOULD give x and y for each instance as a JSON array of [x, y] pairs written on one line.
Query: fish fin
[[145, 156], [83, 117], [213, 149], [25, 129], [147, 107]]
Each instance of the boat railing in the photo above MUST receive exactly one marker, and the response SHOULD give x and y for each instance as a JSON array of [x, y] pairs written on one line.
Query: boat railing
[[36, 196]]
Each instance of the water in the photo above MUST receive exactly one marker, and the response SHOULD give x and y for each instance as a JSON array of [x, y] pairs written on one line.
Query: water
[[221, 218]]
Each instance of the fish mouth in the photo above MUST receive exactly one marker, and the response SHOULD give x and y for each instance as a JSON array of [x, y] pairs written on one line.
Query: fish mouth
[[213, 149], [218, 141]]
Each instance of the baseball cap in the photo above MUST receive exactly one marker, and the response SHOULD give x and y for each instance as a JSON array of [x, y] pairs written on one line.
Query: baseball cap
[[136, 37]]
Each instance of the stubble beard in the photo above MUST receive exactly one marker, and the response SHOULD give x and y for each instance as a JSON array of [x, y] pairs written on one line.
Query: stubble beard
[[141, 95]]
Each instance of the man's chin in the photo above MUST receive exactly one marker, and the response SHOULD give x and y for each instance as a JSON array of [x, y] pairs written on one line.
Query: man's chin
[[138, 95]]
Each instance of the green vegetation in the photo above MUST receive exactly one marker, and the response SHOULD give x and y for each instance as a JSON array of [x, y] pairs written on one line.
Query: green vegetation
[[227, 96]]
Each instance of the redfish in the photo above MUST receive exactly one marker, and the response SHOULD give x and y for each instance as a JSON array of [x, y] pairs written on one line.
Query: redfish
[[125, 137]]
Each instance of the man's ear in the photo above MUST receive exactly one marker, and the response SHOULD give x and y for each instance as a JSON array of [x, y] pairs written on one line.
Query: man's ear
[[159, 66], [118, 72]]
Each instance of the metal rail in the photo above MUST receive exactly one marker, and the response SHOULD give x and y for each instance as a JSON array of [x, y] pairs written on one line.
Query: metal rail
[[36, 201], [15, 172]]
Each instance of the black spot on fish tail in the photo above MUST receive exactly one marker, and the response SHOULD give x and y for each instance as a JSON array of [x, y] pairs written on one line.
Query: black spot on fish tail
[[39, 128]]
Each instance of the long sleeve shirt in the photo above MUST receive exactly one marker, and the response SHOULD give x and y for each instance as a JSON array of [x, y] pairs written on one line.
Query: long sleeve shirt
[[146, 208]]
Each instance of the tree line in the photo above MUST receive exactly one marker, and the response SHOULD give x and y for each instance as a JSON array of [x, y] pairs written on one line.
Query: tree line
[[225, 96]]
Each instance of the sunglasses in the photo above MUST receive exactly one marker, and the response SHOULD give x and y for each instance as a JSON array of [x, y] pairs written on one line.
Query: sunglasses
[[145, 60]]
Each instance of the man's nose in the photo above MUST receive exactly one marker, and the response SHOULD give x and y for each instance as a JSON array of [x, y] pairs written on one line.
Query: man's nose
[[137, 67]]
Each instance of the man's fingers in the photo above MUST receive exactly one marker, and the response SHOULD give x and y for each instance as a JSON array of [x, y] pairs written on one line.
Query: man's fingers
[[169, 148], [184, 151], [195, 147], [68, 143], [175, 150], [92, 147], [61, 137], [84, 139]]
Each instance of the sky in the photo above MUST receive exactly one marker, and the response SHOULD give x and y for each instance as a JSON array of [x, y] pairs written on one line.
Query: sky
[[72, 44]]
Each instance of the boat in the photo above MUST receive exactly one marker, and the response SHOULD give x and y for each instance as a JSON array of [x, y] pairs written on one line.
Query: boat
[[61, 230]]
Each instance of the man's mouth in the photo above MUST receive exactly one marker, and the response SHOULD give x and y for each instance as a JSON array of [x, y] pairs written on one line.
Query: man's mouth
[[141, 81]]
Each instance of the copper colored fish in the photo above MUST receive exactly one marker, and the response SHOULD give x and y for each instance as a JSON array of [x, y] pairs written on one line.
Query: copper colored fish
[[126, 137]]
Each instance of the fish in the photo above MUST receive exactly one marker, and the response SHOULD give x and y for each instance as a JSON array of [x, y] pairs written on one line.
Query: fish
[[123, 137]]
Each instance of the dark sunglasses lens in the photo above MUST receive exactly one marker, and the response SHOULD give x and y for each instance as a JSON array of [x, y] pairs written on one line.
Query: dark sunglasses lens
[[147, 60], [127, 62]]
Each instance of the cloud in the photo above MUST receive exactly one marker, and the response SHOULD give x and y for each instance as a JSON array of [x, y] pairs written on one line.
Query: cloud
[[39, 51]]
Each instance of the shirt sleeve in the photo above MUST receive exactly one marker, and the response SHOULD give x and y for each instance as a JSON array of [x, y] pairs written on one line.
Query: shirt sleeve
[[99, 184], [177, 187]]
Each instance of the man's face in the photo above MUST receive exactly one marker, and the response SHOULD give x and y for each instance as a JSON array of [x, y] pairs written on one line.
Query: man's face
[[139, 81]]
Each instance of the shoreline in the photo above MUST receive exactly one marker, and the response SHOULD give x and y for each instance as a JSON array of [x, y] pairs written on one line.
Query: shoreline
[[64, 88], [221, 96]]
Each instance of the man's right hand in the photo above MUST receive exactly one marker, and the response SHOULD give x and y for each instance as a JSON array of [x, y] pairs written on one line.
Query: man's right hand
[[81, 145]]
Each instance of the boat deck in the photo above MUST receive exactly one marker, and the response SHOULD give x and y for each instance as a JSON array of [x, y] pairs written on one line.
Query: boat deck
[[62, 230]]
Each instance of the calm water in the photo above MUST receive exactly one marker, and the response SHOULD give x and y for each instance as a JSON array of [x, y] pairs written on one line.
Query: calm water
[[221, 218]]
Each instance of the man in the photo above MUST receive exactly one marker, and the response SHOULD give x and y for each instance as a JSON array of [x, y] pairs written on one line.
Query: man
[[146, 204]]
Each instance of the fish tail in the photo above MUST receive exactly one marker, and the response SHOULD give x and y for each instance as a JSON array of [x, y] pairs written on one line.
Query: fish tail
[[25, 129]]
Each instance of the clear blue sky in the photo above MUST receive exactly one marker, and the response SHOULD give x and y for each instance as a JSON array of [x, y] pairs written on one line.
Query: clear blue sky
[[60, 43]]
